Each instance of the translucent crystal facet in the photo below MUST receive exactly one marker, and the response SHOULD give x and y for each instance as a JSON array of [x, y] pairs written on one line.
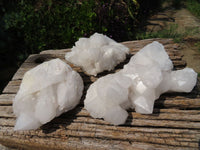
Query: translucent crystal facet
[[46, 91], [147, 75]]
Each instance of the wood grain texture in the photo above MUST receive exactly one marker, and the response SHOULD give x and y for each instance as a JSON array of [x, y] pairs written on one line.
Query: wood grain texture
[[174, 124]]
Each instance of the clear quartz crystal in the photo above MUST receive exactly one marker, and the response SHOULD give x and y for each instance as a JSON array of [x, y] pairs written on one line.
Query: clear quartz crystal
[[97, 53], [147, 75], [46, 91]]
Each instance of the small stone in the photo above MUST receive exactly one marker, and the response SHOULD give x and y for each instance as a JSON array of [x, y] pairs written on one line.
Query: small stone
[[46, 91]]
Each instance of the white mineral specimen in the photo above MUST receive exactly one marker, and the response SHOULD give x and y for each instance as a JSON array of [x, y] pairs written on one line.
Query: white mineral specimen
[[147, 75], [46, 91], [97, 53]]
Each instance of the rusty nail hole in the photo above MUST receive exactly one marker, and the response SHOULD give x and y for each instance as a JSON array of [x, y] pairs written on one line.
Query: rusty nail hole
[[39, 60]]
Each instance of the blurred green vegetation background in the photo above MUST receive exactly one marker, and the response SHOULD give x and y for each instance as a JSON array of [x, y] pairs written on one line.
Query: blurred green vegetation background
[[28, 27]]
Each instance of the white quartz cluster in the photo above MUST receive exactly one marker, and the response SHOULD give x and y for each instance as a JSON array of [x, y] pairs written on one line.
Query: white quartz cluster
[[147, 75], [46, 91], [97, 53]]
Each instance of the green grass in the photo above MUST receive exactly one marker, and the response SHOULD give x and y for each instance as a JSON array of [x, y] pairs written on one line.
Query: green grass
[[166, 33], [193, 6], [171, 32]]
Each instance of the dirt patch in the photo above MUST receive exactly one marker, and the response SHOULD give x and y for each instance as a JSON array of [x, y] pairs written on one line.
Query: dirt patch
[[191, 55], [187, 24]]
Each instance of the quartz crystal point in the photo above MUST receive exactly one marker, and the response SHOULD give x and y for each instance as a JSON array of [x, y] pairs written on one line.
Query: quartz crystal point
[[147, 75], [97, 53], [46, 91]]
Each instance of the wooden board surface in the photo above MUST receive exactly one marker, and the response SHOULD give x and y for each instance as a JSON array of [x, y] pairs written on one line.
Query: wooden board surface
[[175, 123]]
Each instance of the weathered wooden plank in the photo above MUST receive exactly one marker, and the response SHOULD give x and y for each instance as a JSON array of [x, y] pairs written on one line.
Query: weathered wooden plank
[[134, 46], [166, 137], [7, 122], [55, 52], [30, 63], [61, 124], [130, 123], [80, 143], [138, 44], [178, 101], [191, 115], [10, 89], [159, 114], [181, 104], [160, 118], [6, 99], [50, 54], [175, 123], [13, 86], [40, 58], [6, 111]]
